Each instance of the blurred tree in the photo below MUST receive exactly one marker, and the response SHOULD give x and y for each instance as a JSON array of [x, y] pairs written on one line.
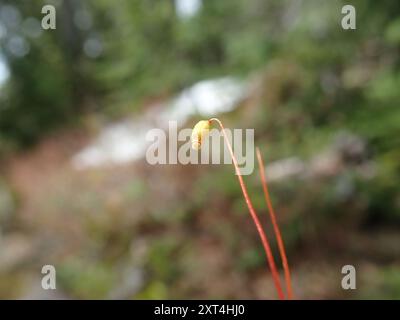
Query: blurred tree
[[49, 83]]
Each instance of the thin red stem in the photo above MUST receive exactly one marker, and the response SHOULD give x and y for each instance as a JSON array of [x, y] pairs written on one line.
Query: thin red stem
[[275, 226], [253, 214]]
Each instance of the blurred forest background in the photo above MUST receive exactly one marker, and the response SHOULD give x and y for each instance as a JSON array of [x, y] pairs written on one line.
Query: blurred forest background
[[324, 103]]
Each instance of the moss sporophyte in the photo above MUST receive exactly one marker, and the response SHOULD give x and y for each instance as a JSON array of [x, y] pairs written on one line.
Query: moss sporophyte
[[199, 133]]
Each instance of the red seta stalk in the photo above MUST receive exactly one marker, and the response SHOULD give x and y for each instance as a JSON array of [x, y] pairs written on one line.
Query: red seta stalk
[[264, 240], [275, 225]]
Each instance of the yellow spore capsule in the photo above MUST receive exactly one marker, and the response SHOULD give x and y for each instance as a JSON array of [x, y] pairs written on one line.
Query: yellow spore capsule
[[200, 131]]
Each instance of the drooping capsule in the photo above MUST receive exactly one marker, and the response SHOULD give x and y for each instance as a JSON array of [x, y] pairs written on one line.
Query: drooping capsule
[[200, 131]]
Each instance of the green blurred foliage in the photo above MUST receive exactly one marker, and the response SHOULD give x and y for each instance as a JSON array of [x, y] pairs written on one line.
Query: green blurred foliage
[[85, 280]]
